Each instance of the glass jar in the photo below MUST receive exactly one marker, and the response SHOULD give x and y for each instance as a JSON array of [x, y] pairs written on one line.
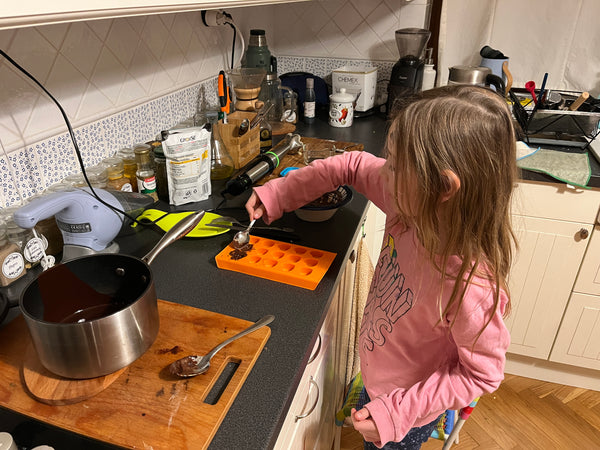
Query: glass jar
[[98, 176], [116, 177], [75, 180], [221, 162], [146, 179], [160, 167], [129, 166], [12, 264]]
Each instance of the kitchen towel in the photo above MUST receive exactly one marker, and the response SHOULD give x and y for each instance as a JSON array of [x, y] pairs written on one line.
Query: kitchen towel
[[362, 284], [571, 168]]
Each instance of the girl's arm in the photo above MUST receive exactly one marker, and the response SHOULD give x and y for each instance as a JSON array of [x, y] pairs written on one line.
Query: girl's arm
[[361, 170], [479, 370]]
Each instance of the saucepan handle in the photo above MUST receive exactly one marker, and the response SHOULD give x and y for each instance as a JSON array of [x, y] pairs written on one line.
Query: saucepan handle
[[183, 227]]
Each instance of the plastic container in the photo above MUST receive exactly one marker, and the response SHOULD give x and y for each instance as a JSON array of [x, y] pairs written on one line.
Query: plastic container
[[279, 261]]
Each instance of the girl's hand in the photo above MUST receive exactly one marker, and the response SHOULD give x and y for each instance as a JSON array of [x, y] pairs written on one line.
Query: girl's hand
[[362, 422], [255, 207]]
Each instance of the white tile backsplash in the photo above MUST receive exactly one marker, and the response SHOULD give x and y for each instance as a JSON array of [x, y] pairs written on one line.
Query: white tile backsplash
[[121, 81]]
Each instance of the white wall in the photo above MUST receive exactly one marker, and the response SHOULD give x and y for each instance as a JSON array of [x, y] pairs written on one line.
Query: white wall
[[560, 37], [123, 80]]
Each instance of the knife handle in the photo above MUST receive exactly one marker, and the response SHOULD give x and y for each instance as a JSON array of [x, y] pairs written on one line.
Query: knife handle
[[224, 94], [580, 100]]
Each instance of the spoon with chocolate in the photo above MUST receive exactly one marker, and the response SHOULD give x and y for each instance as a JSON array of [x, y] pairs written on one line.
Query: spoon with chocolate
[[242, 238], [193, 365]]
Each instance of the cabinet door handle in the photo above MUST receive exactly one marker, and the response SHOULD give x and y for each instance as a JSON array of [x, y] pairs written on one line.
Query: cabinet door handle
[[584, 233], [317, 351], [312, 408]]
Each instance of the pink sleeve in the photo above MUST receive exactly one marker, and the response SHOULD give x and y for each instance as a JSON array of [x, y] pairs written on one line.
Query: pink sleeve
[[299, 187], [479, 370]]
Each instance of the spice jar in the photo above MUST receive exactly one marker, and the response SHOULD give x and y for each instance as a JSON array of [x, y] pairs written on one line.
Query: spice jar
[[129, 166], [31, 247], [12, 263], [116, 178], [146, 179]]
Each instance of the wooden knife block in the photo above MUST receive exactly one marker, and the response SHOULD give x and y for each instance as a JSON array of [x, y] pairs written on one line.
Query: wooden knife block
[[242, 149]]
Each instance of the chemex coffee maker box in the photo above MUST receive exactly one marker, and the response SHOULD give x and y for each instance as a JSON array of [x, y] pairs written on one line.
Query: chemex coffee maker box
[[360, 81]]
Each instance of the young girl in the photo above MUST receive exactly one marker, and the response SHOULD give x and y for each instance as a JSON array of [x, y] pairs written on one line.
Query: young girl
[[432, 336]]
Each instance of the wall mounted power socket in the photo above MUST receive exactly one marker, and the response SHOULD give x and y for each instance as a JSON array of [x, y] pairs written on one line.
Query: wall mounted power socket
[[215, 17]]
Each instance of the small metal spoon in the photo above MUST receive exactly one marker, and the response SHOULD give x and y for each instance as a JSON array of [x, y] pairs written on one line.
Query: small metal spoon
[[241, 238], [193, 365]]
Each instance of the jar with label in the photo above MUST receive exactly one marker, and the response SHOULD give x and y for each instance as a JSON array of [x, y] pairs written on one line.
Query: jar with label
[[12, 264], [129, 166], [116, 178], [32, 247], [46, 229], [160, 167], [146, 179]]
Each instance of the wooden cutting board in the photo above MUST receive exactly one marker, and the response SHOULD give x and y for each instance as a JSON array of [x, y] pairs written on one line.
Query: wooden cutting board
[[145, 407], [297, 160]]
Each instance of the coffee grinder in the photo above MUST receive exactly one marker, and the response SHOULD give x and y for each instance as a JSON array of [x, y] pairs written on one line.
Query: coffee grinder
[[407, 73]]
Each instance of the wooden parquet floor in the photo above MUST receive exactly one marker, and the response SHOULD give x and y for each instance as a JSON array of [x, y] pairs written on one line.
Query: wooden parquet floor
[[523, 414]]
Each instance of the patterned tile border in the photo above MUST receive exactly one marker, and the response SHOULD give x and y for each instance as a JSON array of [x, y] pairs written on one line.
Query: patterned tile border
[[32, 169]]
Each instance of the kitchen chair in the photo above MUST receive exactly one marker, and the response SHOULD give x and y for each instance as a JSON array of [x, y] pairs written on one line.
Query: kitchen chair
[[449, 425]]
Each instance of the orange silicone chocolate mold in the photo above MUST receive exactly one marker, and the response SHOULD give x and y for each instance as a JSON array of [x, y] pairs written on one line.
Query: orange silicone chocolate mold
[[279, 261]]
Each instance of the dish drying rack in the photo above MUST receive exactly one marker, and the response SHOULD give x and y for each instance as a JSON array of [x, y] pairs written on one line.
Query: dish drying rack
[[557, 126]]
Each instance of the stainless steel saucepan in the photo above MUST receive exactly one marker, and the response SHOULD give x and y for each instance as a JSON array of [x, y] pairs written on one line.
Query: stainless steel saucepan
[[94, 315]]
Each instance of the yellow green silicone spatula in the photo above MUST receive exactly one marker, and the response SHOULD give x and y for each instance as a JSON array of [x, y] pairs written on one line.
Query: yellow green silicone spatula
[[166, 220]]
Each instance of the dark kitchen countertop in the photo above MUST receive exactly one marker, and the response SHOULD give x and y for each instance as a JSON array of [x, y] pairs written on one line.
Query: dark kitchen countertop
[[186, 273]]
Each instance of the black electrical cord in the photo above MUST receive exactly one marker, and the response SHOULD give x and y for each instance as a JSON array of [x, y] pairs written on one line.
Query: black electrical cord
[[71, 133], [233, 43]]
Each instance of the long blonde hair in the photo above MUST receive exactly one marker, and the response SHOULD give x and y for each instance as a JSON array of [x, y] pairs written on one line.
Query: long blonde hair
[[467, 130]]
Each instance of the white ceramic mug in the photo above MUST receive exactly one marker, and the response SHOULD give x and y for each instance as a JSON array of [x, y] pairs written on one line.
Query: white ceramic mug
[[341, 109]]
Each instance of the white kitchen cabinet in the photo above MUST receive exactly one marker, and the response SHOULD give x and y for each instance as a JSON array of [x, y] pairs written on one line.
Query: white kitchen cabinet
[[39, 12], [310, 422], [588, 280], [555, 285], [541, 280], [579, 334]]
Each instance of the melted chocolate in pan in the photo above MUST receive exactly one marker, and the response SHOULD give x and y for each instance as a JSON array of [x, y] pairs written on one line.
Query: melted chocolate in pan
[[70, 293]]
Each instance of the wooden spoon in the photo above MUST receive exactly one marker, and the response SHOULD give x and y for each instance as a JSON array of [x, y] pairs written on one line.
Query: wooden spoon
[[580, 100]]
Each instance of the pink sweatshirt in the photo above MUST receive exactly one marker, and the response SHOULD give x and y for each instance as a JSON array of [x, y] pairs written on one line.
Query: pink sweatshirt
[[413, 367]]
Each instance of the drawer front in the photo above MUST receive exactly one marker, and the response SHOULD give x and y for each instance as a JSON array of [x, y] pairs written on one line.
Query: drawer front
[[556, 201]]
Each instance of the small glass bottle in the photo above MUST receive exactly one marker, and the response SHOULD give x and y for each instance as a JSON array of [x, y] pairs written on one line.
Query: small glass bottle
[[310, 101], [429, 72], [146, 180], [221, 162], [116, 178], [129, 166]]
